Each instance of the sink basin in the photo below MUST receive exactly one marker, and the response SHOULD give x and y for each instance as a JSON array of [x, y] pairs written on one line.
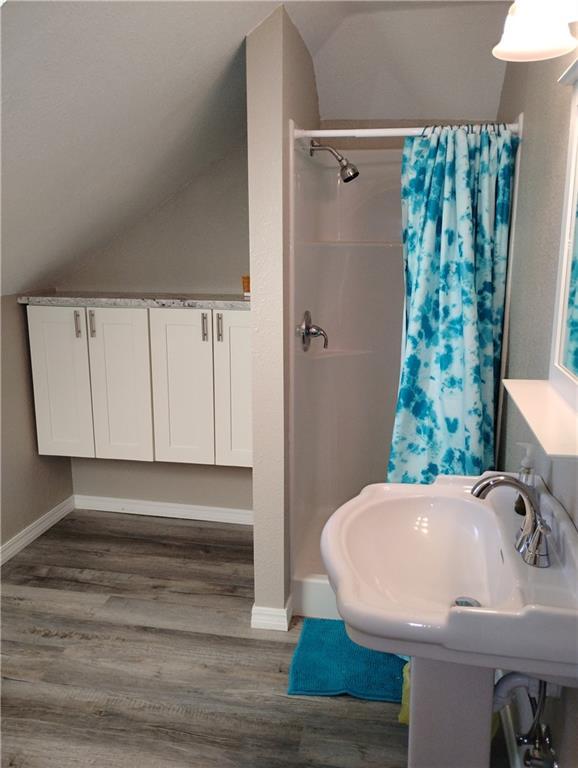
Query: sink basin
[[399, 556]]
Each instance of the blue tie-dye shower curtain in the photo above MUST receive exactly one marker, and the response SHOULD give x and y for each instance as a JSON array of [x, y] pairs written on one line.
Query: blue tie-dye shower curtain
[[456, 196]]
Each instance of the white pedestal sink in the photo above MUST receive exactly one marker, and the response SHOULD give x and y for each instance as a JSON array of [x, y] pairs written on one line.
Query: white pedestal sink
[[399, 556]]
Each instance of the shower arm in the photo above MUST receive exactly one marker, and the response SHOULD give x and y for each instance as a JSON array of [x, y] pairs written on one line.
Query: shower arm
[[315, 146]]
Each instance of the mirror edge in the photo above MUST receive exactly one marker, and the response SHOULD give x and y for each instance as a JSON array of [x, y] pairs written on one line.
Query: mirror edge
[[560, 377]]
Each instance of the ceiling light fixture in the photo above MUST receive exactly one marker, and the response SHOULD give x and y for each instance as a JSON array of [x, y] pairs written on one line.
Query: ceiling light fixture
[[535, 30]]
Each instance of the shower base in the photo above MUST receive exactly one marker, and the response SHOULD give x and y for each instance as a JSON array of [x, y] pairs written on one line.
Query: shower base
[[311, 591]]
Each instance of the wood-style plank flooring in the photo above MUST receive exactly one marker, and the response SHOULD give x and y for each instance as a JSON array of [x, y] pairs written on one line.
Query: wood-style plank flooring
[[126, 642]]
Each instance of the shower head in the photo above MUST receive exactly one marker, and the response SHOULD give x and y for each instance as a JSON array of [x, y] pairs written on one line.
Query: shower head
[[347, 170]]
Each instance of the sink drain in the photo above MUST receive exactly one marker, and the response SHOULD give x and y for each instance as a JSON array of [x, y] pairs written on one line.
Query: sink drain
[[467, 602]]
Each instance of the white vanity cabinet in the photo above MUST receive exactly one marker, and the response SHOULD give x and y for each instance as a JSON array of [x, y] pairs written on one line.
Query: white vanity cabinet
[[233, 410], [201, 373], [161, 384], [61, 379], [182, 373], [91, 375], [120, 372]]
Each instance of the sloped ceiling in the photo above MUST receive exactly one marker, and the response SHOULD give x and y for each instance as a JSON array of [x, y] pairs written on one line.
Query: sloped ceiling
[[108, 108], [405, 59], [111, 107]]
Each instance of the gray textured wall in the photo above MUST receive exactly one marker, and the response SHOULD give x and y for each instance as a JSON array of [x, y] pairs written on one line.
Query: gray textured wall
[[280, 86], [174, 483], [108, 109], [31, 484], [533, 89], [196, 241]]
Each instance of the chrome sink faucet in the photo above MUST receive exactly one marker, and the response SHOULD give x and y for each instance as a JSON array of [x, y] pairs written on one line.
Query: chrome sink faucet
[[532, 540]]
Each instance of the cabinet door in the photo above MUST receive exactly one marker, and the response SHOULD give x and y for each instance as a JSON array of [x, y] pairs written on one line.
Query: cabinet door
[[61, 378], [182, 376], [233, 411], [121, 383]]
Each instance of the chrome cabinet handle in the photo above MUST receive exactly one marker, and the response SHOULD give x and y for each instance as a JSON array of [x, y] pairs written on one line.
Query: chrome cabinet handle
[[204, 327], [91, 323], [219, 326], [306, 330], [77, 328]]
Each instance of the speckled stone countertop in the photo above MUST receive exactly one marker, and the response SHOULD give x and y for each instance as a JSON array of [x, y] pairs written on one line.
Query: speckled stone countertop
[[112, 299]]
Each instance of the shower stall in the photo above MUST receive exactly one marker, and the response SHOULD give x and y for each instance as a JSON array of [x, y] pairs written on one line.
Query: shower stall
[[346, 280], [346, 269]]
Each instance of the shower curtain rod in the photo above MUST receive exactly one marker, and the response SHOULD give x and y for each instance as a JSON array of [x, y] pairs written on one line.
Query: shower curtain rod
[[371, 133]]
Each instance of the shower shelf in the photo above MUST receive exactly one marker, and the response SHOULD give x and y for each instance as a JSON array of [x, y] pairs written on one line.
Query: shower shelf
[[333, 353], [553, 421], [365, 243]]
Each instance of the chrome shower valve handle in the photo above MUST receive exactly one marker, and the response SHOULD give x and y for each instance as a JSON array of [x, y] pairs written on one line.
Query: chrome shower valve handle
[[315, 331], [306, 330]]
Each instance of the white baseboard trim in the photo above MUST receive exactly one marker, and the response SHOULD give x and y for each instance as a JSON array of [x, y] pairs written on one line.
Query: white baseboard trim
[[164, 509], [314, 597], [272, 618], [35, 529]]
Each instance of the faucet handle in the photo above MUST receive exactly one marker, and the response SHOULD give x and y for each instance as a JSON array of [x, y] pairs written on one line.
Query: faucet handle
[[543, 526], [535, 552]]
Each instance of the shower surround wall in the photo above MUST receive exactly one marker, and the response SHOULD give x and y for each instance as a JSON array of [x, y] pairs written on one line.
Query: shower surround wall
[[347, 270]]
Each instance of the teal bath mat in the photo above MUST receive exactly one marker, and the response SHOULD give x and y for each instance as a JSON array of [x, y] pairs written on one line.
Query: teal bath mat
[[327, 663]]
